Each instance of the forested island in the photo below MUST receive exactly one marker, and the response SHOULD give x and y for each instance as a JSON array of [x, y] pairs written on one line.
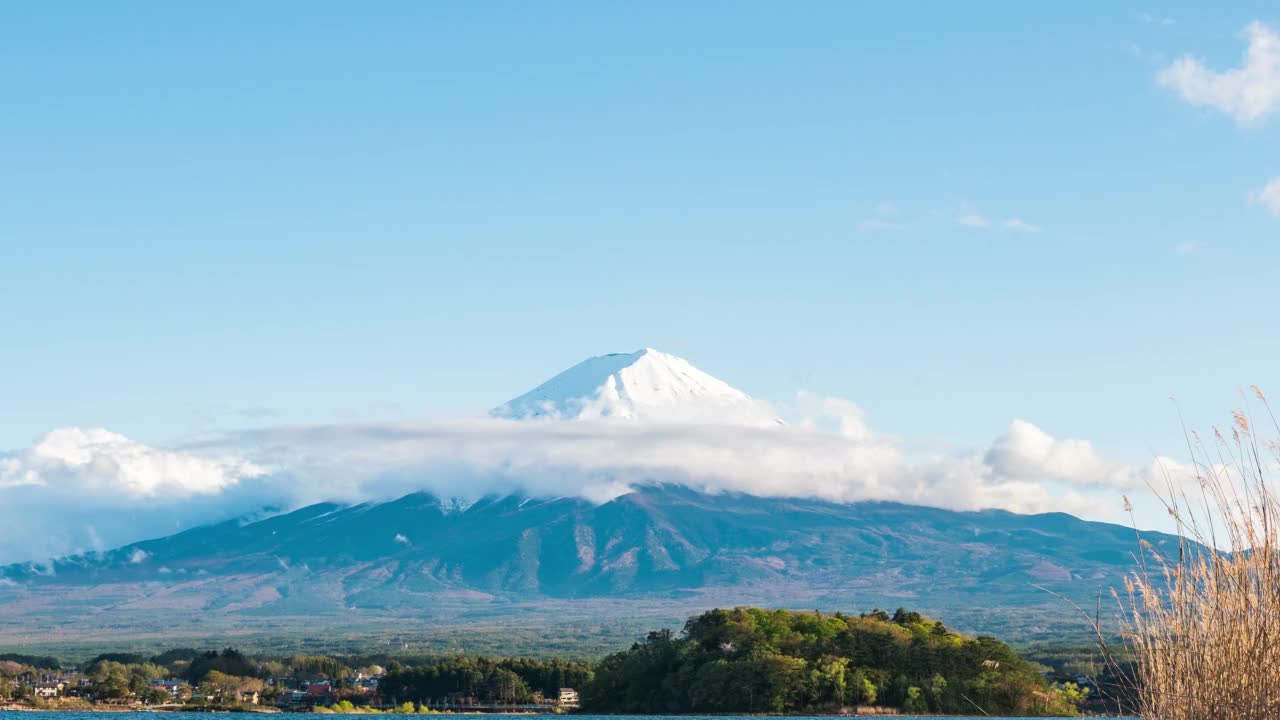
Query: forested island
[[745, 660], [749, 660]]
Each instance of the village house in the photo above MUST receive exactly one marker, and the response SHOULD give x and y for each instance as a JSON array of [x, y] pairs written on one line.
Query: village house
[[291, 698], [319, 693], [175, 688], [48, 689], [568, 698]]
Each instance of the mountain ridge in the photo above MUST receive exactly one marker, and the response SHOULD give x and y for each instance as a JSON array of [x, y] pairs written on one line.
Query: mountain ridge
[[667, 546]]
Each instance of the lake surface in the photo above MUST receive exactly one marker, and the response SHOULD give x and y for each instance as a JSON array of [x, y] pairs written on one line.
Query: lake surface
[[18, 715]]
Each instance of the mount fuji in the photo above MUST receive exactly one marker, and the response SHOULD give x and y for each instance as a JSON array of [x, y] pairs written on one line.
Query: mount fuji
[[422, 564], [644, 385]]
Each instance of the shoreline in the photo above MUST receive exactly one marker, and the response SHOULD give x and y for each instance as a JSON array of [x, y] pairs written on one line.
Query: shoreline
[[889, 712]]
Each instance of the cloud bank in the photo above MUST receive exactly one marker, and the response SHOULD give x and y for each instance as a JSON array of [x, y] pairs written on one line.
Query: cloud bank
[[79, 490], [93, 489], [1247, 93]]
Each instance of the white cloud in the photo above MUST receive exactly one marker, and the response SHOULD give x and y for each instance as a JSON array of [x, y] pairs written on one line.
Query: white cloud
[[833, 455], [982, 222], [101, 493], [100, 461], [77, 490], [1026, 452], [1247, 93], [1151, 57], [885, 218], [138, 556], [400, 538], [1268, 197], [1150, 19], [1020, 225], [13, 473], [880, 225]]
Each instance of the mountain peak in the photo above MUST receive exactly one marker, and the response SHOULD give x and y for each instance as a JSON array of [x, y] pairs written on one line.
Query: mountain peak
[[647, 384]]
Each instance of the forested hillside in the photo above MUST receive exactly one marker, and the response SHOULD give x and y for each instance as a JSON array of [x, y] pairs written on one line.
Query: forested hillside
[[751, 660]]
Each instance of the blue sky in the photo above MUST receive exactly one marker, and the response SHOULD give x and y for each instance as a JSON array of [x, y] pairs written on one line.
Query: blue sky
[[234, 214]]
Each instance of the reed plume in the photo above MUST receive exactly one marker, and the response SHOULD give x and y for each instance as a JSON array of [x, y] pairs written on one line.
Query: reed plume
[[1202, 627]]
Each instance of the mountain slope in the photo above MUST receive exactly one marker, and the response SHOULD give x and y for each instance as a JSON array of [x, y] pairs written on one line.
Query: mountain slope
[[661, 545]]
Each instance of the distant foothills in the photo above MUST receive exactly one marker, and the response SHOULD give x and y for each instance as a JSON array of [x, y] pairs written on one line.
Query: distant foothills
[[745, 660]]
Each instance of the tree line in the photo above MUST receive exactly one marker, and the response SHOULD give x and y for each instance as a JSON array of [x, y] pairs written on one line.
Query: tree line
[[744, 660], [484, 680]]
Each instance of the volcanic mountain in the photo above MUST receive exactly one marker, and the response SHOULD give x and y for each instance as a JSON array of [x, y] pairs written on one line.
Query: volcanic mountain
[[422, 562]]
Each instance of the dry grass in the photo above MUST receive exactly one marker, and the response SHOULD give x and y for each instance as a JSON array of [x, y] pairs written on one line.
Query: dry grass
[[1203, 628]]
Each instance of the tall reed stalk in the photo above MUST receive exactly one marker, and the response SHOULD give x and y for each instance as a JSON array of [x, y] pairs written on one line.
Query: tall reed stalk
[[1203, 627]]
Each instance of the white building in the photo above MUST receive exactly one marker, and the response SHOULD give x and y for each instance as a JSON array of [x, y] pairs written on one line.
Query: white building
[[48, 689], [568, 698]]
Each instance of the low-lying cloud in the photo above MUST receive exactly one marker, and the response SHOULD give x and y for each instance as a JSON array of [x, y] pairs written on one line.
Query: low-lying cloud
[[93, 489], [80, 490]]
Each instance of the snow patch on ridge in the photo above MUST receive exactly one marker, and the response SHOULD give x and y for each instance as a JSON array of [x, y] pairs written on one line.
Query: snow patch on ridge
[[456, 505]]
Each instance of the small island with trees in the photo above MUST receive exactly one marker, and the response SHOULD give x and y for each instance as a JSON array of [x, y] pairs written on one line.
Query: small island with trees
[[750, 660]]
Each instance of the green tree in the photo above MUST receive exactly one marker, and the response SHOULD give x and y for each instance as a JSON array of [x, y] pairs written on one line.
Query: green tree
[[869, 692], [937, 689], [915, 701], [153, 696]]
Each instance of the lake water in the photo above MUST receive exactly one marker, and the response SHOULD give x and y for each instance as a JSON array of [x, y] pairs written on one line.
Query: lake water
[[19, 715]]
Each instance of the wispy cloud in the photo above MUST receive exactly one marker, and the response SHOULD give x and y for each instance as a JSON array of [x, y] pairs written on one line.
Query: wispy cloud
[[1020, 225], [880, 225], [1186, 247], [1150, 19], [1247, 93], [1268, 196], [256, 413], [885, 217], [982, 222]]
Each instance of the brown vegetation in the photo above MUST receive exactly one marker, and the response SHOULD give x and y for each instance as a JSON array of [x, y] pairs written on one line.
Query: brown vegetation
[[1203, 627]]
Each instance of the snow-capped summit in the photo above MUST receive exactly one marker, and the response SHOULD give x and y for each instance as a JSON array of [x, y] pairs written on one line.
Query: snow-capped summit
[[643, 385]]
